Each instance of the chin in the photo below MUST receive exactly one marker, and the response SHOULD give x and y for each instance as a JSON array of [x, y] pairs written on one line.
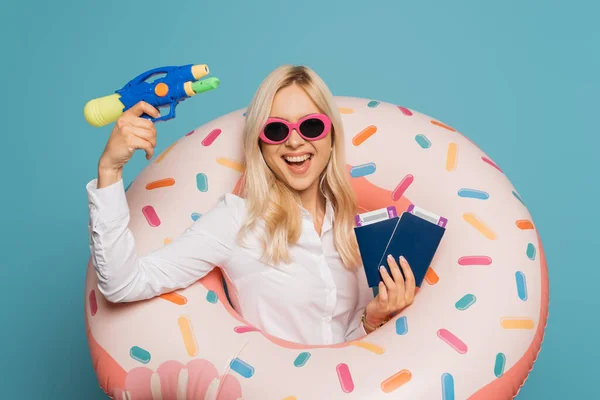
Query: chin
[[300, 185]]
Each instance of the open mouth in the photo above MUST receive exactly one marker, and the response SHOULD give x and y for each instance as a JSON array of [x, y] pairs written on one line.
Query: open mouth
[[298, 161]]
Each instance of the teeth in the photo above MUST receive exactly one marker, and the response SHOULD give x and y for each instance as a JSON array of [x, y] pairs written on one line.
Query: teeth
[[298, 159]]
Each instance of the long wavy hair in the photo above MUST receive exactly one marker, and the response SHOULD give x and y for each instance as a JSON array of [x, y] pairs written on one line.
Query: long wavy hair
[[271, 199]]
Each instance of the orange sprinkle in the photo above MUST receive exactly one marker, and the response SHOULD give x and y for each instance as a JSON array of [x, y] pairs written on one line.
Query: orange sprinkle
[[290, 398], [344, 110], [524, 224], [481, 226], [443, 125], [369, 346], [431, 277], [160, 183], [364, 135], [451, 156], [395, 381], [516, 323], [187, 333], [174, 298], [230, 164], [167, 240], [167, 150]]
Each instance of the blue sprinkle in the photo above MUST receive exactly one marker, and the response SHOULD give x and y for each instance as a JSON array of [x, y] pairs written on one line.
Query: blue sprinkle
[[447, 386], [423, 141], [242, 368], [202, 182], [363, 170], [373, 104], [473, 194], [244, 114], [531, 251], [401, 326], [195, 216], [518, 197], [301, 359], [465, 302], [521, 285], [499, 365], [139, 354], [212, 297]]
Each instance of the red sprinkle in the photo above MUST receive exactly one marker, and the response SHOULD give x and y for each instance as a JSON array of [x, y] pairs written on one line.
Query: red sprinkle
[[405, 111], [93, 303], [245, 329], [402, 186], [345, 377], [207, 141], [474, 260], [493, 164]]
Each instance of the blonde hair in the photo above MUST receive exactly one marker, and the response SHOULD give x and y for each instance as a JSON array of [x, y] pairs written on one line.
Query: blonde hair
[[271, 199]]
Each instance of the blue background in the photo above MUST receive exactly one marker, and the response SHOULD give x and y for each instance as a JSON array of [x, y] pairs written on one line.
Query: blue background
[[520, 78]]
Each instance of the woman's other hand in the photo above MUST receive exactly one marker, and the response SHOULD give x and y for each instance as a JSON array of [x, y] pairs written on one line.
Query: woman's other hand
[[395, 292]]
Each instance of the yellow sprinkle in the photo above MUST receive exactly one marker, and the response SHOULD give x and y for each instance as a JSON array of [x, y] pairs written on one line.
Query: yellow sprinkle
[[345, 110], [167, 150], [516, 323], [167, 240], [230, 164], [369, 346], [451, 156], [187, 332], [290, 398], [479, 225]]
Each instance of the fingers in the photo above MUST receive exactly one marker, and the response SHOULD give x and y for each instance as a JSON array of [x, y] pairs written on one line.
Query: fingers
[[409, 278], [146, 129], [398, 278], [390, 286], [136, 142], [383, 294], [141, 108]]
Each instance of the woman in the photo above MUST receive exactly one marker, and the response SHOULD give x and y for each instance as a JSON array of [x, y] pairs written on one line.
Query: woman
[[287, 242]]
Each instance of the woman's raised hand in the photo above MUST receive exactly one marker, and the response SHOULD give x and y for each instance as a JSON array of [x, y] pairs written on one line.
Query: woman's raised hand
[[131, 132]]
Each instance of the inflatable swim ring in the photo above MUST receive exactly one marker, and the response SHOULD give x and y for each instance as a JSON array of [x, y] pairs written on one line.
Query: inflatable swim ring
[[474, 330]]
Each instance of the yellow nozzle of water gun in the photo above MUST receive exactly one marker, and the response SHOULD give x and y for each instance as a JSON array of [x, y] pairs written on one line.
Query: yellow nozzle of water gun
[[103, 110], [200, 70]]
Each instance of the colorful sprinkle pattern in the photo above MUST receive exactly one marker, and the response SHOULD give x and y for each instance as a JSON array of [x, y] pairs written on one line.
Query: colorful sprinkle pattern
[[435, 136]]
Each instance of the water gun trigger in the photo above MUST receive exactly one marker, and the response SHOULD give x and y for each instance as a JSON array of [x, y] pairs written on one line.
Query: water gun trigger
[[169, 116]]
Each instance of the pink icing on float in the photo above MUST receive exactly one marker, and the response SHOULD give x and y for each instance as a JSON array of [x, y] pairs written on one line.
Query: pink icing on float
[[473, 331]]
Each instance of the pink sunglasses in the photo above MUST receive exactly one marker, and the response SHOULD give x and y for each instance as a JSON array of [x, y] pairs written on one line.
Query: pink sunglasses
[[310, 127]]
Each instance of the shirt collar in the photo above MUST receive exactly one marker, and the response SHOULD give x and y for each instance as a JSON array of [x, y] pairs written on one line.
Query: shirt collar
[[329, 214]]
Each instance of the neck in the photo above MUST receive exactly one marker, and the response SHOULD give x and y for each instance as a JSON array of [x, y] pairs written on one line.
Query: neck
[[313, 200]]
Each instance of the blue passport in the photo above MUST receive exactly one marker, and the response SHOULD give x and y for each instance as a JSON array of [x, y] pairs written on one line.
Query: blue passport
[[408, 235]]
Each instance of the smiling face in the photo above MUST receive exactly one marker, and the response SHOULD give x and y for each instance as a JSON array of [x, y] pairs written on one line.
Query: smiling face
[[297, 161]]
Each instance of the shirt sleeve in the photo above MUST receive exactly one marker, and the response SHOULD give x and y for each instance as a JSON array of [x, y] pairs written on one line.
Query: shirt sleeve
[[356, 329], [125, 277]]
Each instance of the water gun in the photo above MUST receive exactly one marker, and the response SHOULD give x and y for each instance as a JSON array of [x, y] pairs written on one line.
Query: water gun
[[177, 84]]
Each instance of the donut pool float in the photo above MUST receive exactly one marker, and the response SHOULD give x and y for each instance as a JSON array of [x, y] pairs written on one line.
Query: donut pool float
[[473, 332]]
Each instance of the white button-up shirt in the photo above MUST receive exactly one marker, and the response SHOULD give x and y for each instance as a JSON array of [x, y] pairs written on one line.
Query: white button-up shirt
[[312, 300]]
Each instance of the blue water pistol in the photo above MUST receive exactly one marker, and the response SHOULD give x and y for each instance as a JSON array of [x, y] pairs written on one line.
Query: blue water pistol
[[175, 84]]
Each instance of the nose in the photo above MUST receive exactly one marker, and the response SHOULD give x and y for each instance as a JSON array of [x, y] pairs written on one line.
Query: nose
[[294, 140]]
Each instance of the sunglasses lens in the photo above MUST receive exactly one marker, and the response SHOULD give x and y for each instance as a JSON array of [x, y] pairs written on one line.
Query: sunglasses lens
[[276, 131], [312, 128]]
